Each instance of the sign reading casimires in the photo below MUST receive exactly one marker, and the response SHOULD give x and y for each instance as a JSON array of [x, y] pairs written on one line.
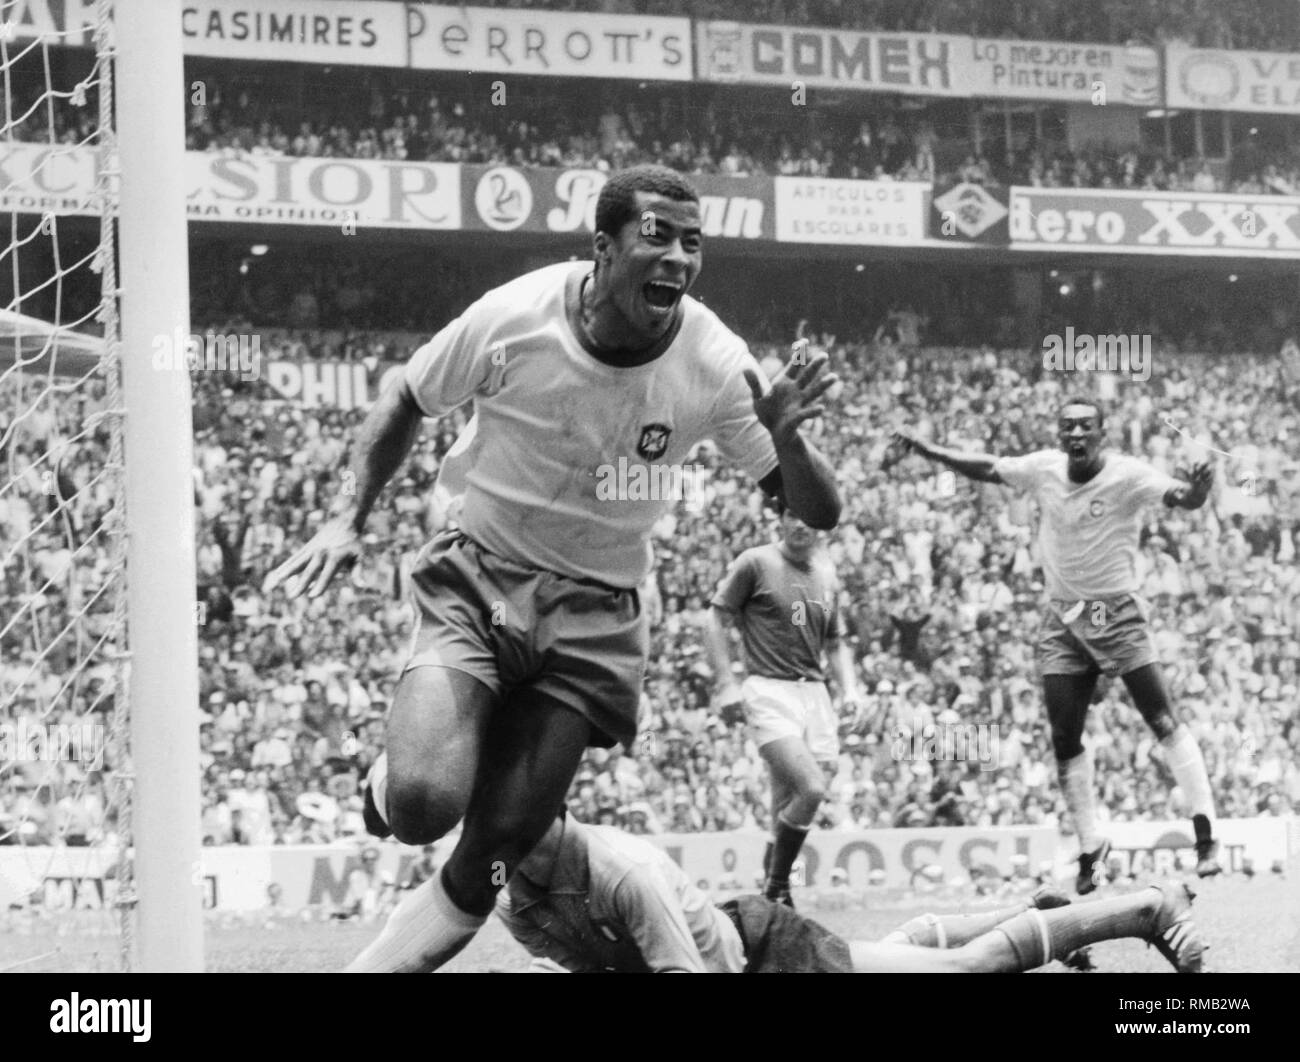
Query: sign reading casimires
[[555, 43], [323, 191], [823, 210], [1259, 226], [915, 64], [301, 31], [1208, 79]]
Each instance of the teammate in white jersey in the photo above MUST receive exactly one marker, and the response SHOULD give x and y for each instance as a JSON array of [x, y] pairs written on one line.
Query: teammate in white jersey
[[532, 640], [1090, 504]]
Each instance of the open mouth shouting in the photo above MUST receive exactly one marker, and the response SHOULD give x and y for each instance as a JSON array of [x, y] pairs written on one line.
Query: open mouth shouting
[[661, 296]]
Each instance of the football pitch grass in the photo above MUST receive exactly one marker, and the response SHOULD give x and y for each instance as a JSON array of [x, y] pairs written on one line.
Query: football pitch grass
[[1250, 925]]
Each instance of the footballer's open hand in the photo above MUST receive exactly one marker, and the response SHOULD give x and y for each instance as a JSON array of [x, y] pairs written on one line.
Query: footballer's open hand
[[335, 547], [795, 392]]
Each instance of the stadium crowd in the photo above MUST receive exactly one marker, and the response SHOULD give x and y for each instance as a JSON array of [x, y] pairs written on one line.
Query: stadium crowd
[[732, 136], [941, 598]]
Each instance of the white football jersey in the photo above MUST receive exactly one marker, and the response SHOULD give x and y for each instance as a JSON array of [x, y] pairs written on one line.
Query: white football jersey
[[1088, 534], [571, 461]]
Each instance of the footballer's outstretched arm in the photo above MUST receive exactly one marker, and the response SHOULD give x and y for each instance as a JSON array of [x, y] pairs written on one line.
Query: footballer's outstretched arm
[[971, 465], [1194, 494], [383, 442], [803, 478]]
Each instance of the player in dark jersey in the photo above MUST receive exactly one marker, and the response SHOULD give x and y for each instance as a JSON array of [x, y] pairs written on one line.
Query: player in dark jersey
[[784, 598]]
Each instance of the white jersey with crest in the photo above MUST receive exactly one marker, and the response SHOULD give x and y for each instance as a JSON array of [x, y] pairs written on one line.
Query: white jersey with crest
[[558, 431], [1088, 534]]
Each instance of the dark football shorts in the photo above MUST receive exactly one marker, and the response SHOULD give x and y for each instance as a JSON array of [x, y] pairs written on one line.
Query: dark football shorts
[[1111, 635], [511, 627], [777, 939]]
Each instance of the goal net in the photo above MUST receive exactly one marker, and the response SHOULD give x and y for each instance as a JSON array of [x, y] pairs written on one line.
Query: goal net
[[65, 774]]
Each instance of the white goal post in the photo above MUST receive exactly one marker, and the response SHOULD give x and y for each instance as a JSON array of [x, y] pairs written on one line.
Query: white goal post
[[161, 616]]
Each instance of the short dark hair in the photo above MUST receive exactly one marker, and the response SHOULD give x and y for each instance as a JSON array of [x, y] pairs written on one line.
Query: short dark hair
[[1083, 400], [617, 203]]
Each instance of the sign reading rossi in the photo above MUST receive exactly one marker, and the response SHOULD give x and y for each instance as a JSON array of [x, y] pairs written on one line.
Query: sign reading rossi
[[504, 199], [824, 210], [322, 191], [558, 43], [910, 63], [1232, 81], [1263, 226]]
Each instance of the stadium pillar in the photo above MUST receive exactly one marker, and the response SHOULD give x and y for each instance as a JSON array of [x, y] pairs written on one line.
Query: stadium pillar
[[163, 687]]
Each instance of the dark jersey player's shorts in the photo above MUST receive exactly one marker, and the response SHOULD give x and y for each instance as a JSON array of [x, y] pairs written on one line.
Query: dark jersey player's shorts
[[779, 940], [1110, 635], [511, 627]]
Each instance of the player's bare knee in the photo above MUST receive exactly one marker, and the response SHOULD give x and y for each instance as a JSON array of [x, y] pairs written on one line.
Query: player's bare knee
[[421, 813]]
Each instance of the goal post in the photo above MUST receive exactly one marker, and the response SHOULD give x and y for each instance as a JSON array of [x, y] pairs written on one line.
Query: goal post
[[159, 488]]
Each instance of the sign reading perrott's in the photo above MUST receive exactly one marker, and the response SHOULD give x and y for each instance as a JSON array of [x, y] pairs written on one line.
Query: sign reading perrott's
[[1138, 222]]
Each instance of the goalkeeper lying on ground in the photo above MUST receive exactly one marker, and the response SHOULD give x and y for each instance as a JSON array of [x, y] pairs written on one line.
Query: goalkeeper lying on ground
[[592, 898]]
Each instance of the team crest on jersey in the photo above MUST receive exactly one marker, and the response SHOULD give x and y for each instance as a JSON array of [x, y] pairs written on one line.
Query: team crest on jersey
[[1095, 508], [654, 441]]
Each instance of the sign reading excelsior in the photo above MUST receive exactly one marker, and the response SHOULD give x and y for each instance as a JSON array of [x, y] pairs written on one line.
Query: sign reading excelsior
[[1155, 222]]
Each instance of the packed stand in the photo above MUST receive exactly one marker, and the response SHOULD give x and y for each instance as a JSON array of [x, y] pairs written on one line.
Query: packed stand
[[941, 599]]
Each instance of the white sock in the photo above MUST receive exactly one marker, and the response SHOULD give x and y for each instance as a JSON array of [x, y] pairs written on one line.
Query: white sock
[[423, 932], [1183, 755], [377, 779], [1076, 784]]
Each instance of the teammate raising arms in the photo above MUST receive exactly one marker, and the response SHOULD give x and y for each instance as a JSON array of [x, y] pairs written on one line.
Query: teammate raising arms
[[1090, 504], [784, 598], [531, 642]]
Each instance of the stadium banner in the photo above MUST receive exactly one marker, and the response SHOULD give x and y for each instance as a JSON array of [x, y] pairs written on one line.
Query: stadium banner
[[296, 31], [45, 179], [353, 193], [913, 64], [865, 213], [1156, 847], [1059, 71], [737, 857], [531, 199], [551, 43], [969, 213], [1209, 79], [1141, 222]]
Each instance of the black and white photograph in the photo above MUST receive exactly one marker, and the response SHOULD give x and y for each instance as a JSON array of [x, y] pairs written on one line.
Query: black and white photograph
[[651, 486]]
